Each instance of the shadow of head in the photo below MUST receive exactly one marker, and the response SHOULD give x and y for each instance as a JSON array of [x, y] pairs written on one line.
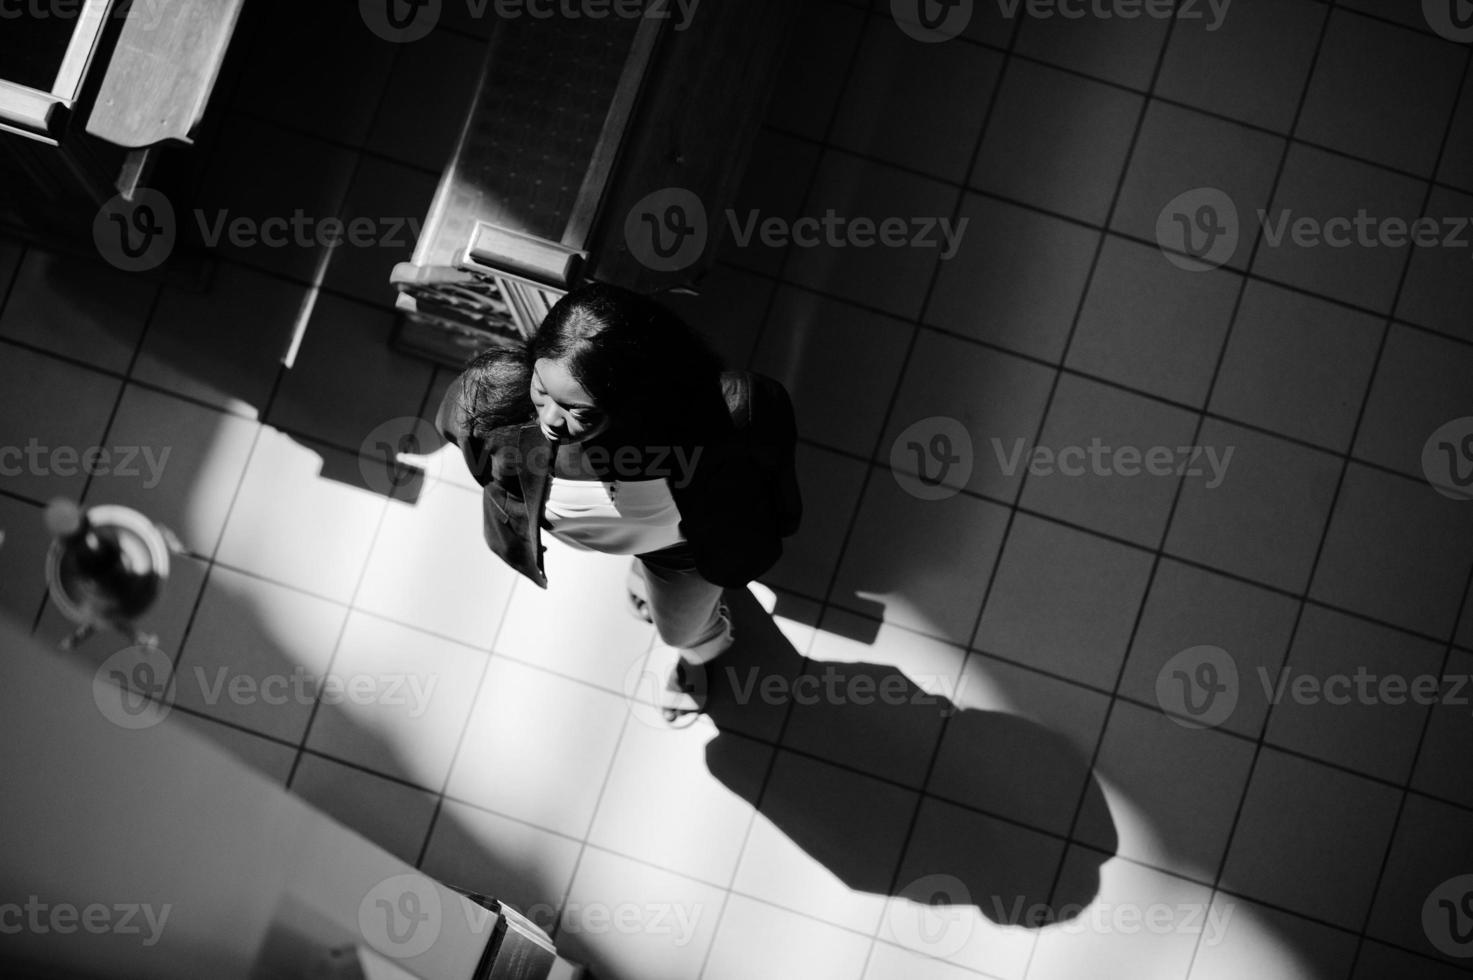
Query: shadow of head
[[928, 801]]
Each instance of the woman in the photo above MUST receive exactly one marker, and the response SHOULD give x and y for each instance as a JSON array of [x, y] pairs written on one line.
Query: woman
[[615, 430]]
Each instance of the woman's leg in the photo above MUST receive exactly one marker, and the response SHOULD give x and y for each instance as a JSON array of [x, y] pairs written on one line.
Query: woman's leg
[[687, 610]]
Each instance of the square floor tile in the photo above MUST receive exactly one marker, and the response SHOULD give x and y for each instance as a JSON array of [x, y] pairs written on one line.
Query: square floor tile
[[347, 86], [22, 559], [824, 352], [1152, 326], [1057, 141], [1173, 791], [511, 861], [921, 564], [176, 462], [1381, 93], [1102, 460], [966, 882], [383, 214], [1438, 293], [887, 960], [1264, 515], [900, 103], [77, 308], [1064, 602], [1397, 551], [294, 524], [951, 386], [1255, 941], [1123, 50], [1297, 365], [394, 816], [730, 312], [992, 24], [877, 707], [1182, 152], [664, 806], [826, 842], [1251, 66], [627, 919], [814, 68], [223, 346], [395, 700], [775, 185], [427, 99], [538, 747], [600, 644], [1309, 238], [1419, 389], [889, 271], [51, 412], [1322, 861], [256, 654], [1457, 155], [1110, 939], [810, 556], [273, 760], [1406, 14], [1017, 280], [1188, 608], [1370, 726], [760, 940], [1021, 746], [327, 395], [1428, 866], [430, 568], [258, 182], [1378, 960], [1441, 769]]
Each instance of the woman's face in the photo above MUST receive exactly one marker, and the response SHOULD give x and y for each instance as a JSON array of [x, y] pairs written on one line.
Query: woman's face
[[565, 411]]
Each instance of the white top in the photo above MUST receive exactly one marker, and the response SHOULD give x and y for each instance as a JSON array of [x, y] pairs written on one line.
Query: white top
[[625, 517]]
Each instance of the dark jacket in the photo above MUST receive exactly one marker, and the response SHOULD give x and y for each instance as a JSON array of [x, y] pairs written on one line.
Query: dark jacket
[[736, 506]]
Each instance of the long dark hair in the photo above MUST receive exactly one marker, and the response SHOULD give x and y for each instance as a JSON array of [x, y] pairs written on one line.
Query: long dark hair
[[638, 361], [498, 386]]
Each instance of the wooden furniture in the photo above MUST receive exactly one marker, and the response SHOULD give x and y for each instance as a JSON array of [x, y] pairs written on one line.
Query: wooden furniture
[[88, 103], [576, 121]]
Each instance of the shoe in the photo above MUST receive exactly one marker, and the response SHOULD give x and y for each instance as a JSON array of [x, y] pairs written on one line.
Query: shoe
[[684, 698]]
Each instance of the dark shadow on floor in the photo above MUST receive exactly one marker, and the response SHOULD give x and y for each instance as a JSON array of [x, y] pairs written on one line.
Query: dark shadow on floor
[[1009, 872]]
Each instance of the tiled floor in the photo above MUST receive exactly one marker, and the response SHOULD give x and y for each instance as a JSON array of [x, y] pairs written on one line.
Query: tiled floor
[[1033, 627]]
